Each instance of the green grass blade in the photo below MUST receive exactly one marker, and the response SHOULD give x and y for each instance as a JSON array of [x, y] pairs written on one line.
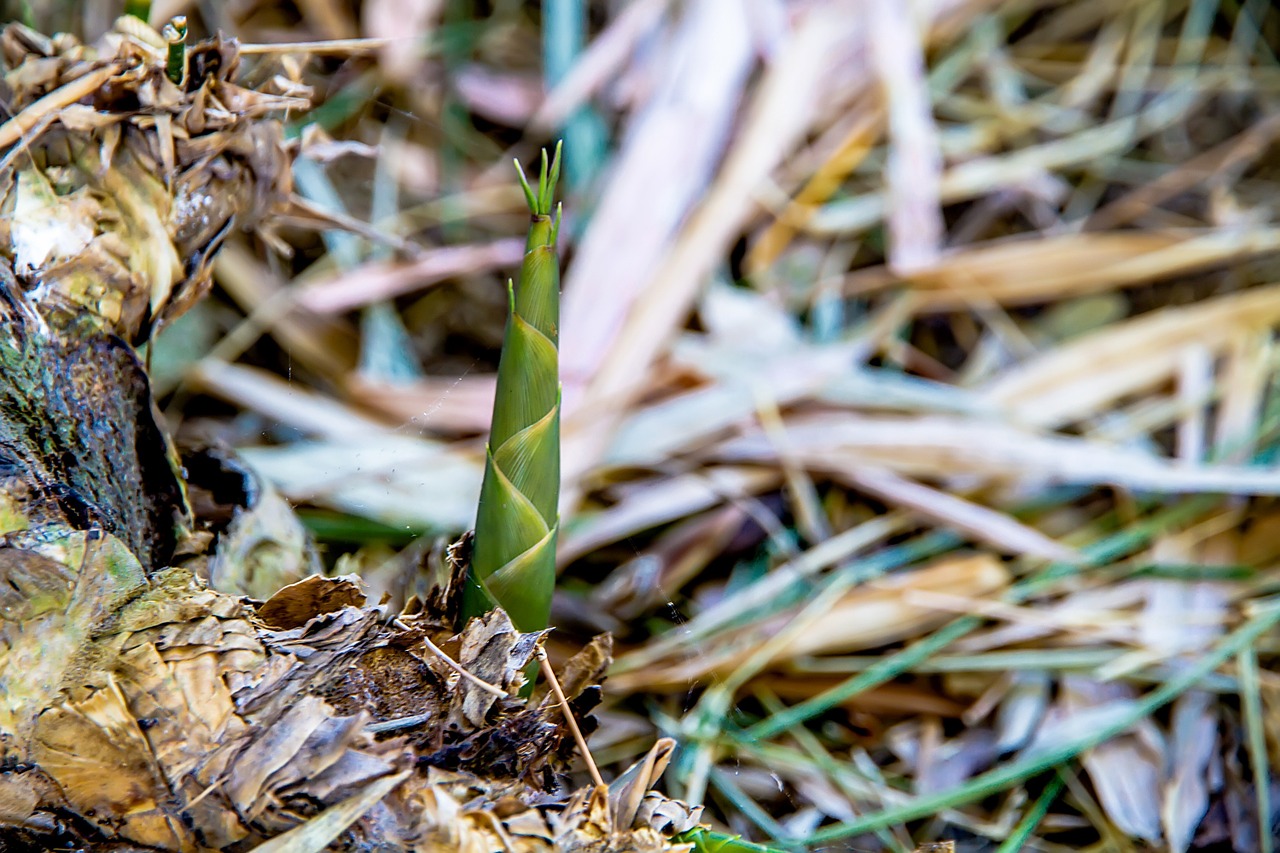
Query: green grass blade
[[745, 805], [175, 33], [1017, 841], [564, 28], [1255, 738]]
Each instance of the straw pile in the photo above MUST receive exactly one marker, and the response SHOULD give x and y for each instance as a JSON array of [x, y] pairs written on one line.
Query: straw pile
[[920, 384]]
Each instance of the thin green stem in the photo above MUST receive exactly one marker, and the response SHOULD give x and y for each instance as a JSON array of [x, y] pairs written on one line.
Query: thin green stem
[[1251, 702], [1031, 819], [745, 805]]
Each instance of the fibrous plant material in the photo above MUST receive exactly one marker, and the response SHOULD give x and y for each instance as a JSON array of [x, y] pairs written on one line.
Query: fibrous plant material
[[516, 525], [139, 708]]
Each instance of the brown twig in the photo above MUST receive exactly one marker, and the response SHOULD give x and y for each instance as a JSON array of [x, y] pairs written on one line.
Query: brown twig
[[14, 129], [568, 717], [455, 666]]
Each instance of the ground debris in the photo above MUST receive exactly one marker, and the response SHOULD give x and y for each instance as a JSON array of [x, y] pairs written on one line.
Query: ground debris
[[201, 726]]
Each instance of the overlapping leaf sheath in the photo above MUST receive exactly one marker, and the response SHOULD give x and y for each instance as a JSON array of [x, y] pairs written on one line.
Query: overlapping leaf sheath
[[514, 561]]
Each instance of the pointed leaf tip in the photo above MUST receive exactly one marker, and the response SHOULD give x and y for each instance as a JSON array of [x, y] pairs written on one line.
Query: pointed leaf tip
[[542, 185], [529, 197], [555, 172]]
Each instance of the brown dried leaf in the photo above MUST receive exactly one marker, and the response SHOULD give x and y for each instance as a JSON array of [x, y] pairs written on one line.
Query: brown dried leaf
[[18, 797], [97, 753], [495, 652], [587, 667], [316, 834], [298, 603]]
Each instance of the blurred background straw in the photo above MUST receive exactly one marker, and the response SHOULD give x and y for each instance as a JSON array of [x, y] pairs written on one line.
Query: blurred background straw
[[920, 381]]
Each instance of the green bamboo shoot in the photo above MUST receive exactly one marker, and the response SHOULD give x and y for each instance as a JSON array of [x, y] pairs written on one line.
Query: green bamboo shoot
[[513, 565]]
